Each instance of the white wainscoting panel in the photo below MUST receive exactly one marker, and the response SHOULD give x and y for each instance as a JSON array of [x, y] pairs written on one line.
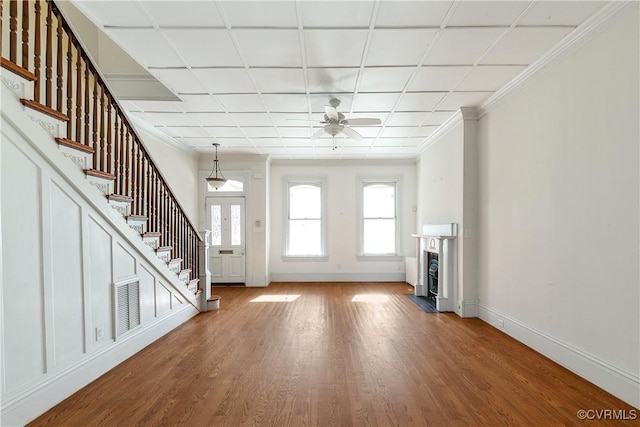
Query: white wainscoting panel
[[22, 301], [99, 264], [66, 281]]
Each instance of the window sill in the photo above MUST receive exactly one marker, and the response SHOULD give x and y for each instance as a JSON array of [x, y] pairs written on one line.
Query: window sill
[[320, 258]]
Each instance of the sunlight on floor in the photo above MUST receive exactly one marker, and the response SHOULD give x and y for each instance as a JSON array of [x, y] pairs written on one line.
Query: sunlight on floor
[[379, 298], [275, 298]]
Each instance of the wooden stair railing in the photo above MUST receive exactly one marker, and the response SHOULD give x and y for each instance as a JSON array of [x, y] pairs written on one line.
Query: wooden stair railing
[[68, 86]]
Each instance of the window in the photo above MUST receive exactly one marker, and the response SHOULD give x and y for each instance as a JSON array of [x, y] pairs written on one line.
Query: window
[[379, 225], [305, 219]]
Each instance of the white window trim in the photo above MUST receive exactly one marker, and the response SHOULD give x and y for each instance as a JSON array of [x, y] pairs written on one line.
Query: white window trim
[[379, 179], [320, 181]]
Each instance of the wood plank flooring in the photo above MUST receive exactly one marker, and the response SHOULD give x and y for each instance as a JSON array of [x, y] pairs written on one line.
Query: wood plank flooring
[[324, 359]]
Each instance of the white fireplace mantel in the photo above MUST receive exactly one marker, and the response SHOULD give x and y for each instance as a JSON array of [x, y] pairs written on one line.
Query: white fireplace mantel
[[438, 239]]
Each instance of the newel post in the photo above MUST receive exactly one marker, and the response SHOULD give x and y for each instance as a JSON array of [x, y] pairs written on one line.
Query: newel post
[[204, 275]]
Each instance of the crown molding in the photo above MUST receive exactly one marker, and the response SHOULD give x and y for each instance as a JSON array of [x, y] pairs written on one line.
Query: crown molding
[[599, 22]]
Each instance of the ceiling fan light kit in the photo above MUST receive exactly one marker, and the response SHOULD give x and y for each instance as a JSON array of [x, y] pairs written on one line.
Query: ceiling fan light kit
[[335, 123]]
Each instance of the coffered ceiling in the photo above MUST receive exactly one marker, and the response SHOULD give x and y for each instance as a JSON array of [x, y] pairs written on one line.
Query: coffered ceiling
[[255, 76]]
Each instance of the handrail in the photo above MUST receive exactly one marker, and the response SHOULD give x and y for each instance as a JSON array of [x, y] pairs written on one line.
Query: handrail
[[68, 85]]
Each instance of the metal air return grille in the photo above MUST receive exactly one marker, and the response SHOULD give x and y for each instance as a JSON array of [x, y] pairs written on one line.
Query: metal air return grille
[[127, 305]]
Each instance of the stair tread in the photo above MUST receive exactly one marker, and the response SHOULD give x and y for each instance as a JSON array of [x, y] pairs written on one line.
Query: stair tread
[[99, 174], [194, 280], [120, 198], [152, 234], [34, 105], [137, 217], [16, 69], [185, 271], [164, 248], [75, 145], [174, 260]]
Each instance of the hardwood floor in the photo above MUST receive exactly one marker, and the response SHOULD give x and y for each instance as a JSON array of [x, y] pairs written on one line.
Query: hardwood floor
[[324, 359]]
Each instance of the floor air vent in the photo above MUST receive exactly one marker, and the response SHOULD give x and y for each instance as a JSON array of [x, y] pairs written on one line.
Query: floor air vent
[[127, 305]]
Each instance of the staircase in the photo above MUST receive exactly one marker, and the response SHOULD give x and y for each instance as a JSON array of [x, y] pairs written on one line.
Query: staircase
[[93, 132]]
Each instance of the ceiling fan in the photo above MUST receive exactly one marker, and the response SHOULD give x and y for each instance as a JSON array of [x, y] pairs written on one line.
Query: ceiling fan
[[335, 123]]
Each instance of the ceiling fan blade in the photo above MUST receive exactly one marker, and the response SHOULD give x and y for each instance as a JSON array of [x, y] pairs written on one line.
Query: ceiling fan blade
[[362, 122], [331, 112], [318, 134], [352, 133]]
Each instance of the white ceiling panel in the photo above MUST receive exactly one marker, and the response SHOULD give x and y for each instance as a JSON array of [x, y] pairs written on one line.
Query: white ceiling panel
[[295, 132], [245, 68], [437, 78], [335, 14], [420, 101], [241, 102], [260, 132], [390, 142], [384, 79], [396, 13], [227, 132], [407, 119], [334, 48], [205, 48], [183, 13], [375, 101], [486, 13], [148, 47], [285, 103], [179, 80], [127, 14], [185, 131], [175, 119], [267, 142], [489, 77], [398, 47], [462, 46], [269, 47], [212, 119], [199, 103], [290, 119], [560, 12], [332, 80], [525, 45], [438, 118], [251, 119], [456, 100], [273, 80], [396, 132], [262, 13], [221, 80]]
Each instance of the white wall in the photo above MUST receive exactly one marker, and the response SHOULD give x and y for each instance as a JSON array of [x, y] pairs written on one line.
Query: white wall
[[177, 165], [342, 235], [559, 212], [63, 248]]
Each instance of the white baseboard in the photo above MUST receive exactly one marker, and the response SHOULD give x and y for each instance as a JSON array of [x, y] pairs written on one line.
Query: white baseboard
[[619, 382], [31, 404], [338, 277], [467, 308]]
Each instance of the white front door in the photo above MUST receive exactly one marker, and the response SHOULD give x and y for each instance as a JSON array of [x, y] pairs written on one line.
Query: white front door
[[225, 217]]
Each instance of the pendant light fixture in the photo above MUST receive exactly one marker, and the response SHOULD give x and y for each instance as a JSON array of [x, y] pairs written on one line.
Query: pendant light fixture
[[215, 178]]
